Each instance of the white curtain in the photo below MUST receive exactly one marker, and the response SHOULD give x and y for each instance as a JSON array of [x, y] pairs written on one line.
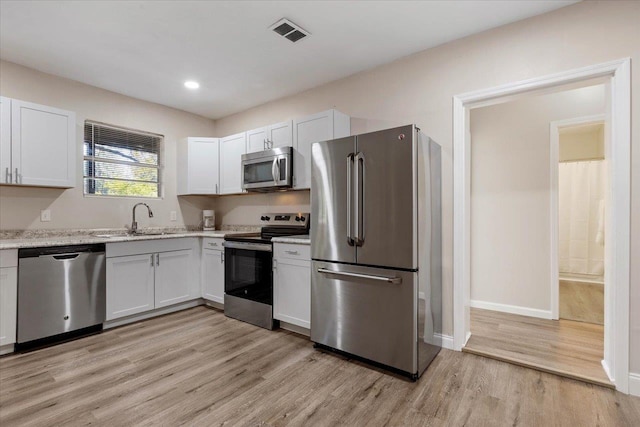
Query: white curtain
[[581, 204]]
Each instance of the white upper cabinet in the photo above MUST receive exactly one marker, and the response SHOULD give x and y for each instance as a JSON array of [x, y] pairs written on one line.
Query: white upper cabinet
[[280, 135], [5, 140], [265, 138], [42, 145], [231, 150], [198, 166], [323, 126], [257, 140]]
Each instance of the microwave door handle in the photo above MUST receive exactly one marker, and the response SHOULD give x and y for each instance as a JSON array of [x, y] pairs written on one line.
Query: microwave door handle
[[274, 166]]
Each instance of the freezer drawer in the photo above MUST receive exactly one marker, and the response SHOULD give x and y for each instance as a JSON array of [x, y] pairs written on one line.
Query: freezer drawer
[[368, 312]]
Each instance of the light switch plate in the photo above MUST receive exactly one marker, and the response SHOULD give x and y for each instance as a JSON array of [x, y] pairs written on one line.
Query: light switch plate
[[173, 216], [45, 215]]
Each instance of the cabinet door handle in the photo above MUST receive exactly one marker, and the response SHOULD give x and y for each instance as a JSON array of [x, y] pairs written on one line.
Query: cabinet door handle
[[158, 260], [292, 252], [213, 244], [275, 264], [216, 188], [7, 176], [17, 176], [222, 257], [152, 260]]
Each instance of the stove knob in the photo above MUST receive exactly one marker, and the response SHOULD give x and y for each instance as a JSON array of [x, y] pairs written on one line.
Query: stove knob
[[266, 218], [262, 218], [297, 218], [302, 218]]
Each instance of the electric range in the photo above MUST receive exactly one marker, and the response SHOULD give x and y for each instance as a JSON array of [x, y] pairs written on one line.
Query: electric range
[[248, 280]]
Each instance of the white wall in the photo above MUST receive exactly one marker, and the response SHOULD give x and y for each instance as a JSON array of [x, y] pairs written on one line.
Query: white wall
[[510, 195], [419, 89], [20, 207]]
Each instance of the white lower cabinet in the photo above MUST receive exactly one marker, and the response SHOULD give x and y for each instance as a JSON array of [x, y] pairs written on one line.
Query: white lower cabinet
[[130, 285], [173, 278], [213, 275], [8, 305], [139, 283], [292, 284]]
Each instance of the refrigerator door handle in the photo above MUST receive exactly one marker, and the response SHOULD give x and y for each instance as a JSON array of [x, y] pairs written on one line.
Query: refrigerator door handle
[[392, 280], [350, 241], [360, 195]]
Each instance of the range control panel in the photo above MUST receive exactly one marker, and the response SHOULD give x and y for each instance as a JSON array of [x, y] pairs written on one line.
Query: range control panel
[[288, 219]]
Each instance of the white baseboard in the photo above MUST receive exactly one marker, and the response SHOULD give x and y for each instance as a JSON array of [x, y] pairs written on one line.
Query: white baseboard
[[513, 309], [607, 370], [634, 384], [295, 328], [6, 349], [447, 341], [153, 313]]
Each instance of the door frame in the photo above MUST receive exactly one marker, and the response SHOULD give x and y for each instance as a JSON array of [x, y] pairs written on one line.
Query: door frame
[[617, 75], [554, 202]]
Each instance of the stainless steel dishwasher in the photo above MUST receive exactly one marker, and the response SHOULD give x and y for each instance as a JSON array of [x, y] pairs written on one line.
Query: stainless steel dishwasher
[[61, 293]]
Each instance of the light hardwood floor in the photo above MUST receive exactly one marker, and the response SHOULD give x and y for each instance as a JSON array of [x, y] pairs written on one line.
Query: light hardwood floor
[[568, 348], [199, 368], [582, 302]]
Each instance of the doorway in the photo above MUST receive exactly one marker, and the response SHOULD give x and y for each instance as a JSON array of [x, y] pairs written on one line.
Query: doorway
[[579, 146], [616, 329]]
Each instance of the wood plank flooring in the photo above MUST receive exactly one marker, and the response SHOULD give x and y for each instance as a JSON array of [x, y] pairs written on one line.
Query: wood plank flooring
[[568, 348], [199, 368], [582, 302]]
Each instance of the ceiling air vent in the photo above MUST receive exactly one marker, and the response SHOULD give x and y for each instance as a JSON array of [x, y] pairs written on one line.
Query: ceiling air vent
[[289, 30]]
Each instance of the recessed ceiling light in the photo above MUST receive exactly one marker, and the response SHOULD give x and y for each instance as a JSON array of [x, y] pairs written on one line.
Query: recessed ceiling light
[[190, 84]]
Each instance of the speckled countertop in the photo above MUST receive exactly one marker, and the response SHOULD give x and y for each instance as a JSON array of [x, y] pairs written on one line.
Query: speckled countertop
[[299, 240], [16, 239]]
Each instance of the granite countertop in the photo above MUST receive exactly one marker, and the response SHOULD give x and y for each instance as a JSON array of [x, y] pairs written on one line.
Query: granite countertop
[[79, 237], [299, 240]]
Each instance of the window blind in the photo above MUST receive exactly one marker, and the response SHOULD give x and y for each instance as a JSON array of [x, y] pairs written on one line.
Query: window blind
[[121, 162]]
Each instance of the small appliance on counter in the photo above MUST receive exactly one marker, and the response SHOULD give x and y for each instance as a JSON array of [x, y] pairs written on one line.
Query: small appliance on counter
[[208, 220], [248, 268]]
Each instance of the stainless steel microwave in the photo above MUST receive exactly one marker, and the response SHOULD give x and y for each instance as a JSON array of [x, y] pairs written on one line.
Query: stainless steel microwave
[[268, 170]]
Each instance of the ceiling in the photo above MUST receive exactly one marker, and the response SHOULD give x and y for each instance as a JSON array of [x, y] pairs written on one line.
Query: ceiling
[[147, 49]]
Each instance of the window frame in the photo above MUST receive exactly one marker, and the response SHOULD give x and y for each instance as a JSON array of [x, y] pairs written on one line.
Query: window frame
[[92, 160]]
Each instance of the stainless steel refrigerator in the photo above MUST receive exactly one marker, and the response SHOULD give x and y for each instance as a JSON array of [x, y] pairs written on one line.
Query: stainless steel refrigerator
[[376, 281]]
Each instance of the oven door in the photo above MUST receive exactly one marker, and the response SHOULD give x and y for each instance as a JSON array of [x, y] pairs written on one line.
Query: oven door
[[248, 271], [266, 172]]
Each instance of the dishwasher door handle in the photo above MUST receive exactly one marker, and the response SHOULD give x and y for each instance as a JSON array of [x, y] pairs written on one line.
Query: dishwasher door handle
[[66, 256]]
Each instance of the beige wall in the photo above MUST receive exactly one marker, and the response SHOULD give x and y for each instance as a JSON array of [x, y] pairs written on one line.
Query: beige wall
[[246, 209], [581, 143], [20, 207], [510, 195], [419, 89]]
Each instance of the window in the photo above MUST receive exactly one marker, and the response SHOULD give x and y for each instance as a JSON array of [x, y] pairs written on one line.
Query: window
[[121, 162]]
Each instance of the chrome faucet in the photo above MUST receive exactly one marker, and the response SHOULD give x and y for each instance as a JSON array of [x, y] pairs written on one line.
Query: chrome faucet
[[134, 224]]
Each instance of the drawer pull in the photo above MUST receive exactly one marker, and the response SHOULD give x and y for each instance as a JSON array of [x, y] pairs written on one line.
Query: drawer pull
[[213, 244], [292, 252]]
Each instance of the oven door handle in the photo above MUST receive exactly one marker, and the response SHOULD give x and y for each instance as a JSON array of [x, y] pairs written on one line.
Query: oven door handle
[[248, 246]]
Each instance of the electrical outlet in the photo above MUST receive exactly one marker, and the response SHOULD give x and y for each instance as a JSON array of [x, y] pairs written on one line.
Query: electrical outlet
[[173, 216], [45, 215]]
